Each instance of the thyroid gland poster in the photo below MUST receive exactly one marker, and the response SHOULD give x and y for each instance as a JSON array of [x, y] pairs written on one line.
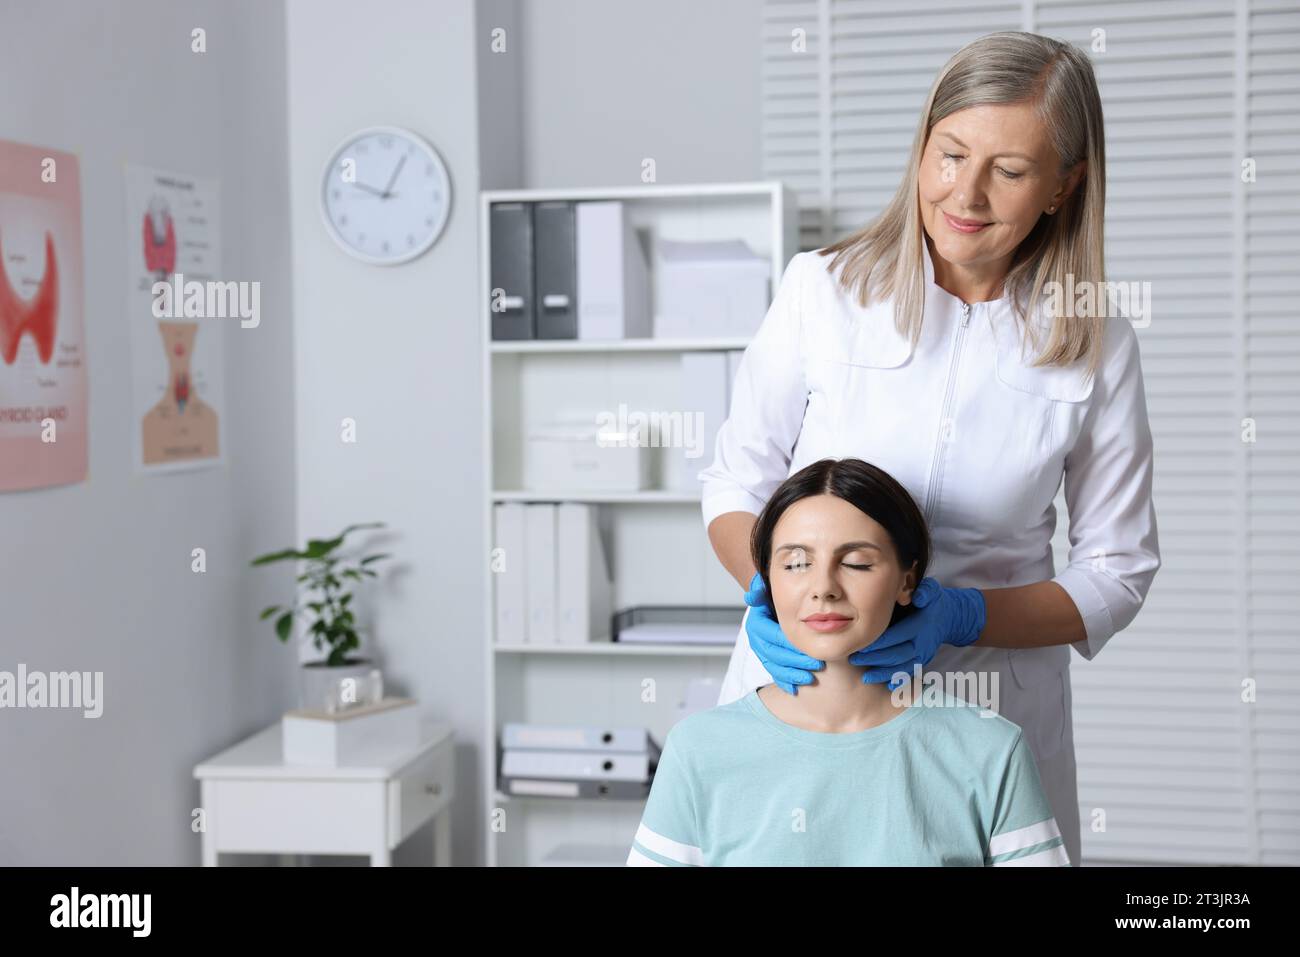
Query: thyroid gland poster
[[173, 237], [43, 404]]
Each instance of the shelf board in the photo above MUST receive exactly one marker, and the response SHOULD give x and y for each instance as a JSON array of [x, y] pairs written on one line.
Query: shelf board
[[617, 648], [650, 497], [621, 345]]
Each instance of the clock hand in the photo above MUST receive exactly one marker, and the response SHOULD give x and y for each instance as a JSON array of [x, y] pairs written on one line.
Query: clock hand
[[369, 189], [393, 179]]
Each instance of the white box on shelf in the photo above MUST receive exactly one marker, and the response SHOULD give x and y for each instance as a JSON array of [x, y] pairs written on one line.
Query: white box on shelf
[[356, 736], [706, 289], [560, 457]]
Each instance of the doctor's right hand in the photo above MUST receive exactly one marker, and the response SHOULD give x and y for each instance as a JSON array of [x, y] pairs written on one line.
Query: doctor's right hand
[[788, 666]]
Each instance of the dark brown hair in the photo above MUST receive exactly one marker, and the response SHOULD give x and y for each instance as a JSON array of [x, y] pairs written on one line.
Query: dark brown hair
[[871, 490]]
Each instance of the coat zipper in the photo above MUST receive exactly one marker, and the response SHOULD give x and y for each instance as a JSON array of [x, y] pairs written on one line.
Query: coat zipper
[[947, 401]]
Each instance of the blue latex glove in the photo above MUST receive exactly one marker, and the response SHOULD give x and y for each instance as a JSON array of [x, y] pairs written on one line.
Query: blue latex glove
[[953, 616], [788, 666]]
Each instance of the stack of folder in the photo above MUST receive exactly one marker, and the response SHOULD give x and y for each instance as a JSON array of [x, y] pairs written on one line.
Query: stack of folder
[[573, 761], [566, 270], [551, 575]]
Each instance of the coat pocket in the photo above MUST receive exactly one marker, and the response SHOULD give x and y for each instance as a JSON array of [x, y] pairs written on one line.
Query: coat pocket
[[1058, 383], [866, 339]]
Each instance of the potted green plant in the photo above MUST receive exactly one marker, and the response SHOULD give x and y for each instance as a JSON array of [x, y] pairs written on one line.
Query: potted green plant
[[326, 599]]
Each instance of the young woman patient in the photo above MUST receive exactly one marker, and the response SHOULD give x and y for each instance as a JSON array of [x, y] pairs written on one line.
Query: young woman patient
[[844, 772]]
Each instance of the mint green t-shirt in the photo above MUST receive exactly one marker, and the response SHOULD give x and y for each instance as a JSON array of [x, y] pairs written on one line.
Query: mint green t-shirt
[[736, 785]]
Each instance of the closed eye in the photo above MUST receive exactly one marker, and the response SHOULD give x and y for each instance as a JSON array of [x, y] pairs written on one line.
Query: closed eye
[[1005, 172]]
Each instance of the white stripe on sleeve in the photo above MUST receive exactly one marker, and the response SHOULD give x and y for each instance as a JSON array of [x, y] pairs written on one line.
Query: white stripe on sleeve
[[666, 847], [636, 859], [1052, 857], [1021, 838]]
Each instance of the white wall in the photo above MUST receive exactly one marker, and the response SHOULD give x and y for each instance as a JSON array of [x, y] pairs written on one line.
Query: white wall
[[398, 350], [96, 576], [607, 84]]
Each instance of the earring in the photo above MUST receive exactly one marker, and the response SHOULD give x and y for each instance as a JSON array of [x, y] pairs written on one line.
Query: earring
[[1051, 209]]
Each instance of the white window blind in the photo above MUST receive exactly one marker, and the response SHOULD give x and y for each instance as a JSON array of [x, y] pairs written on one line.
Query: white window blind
[[1183, 769]]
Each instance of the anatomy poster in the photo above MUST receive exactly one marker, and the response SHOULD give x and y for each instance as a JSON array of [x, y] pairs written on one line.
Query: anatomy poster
[[173, 236], [43, 405]]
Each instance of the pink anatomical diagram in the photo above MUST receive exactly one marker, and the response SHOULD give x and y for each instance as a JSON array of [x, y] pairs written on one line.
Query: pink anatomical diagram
[[38, 316], [159, 238], [180, 425]]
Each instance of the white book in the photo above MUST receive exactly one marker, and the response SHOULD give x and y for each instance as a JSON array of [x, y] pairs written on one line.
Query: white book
[[509, 579], [521, 736], [576, 765], [583, 592], [704, 391], [613, 284], [539, 585]]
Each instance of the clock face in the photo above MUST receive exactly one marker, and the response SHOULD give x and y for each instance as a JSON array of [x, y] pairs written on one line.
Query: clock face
[[385, 195]]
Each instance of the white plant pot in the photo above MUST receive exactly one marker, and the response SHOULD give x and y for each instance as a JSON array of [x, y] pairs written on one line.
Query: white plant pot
[[333, 688]]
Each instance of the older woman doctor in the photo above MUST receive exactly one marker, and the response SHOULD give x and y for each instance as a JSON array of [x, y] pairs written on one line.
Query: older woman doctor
[[1004, 193]]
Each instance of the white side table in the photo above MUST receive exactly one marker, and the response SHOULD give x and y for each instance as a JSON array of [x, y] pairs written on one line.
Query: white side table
[[254, 803]]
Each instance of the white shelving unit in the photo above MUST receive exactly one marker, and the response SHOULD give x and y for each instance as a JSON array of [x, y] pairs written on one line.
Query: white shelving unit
[[658, 547]]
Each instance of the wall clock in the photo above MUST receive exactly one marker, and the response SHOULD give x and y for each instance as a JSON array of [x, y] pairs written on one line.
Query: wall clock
[[385, 195]]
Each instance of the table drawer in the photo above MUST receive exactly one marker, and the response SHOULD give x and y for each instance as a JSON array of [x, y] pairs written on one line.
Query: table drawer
[[305, 817], [421, 790]]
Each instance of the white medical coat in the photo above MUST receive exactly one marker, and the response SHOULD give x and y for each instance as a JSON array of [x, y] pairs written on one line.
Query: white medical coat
[[982, 442]]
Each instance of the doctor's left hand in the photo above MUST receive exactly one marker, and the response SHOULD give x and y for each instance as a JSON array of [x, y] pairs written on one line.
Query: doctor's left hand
[[953, 616]]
